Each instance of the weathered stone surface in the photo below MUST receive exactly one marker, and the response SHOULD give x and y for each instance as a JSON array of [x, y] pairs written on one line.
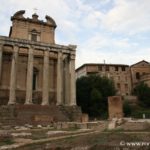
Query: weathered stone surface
[[112, 124], [81, 125], [84, 118], [21, 134], [115, 107], [5, 135], [136, 126]]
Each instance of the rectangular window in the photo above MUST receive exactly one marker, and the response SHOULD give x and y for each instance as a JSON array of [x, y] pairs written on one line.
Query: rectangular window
[[107, 68], [116, 68], [126, 87], [123, 68], [100, 68], [34, 37], [118, 85]]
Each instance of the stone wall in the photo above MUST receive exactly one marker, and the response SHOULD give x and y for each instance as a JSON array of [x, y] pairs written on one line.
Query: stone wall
[[136, 126], [37, 114]]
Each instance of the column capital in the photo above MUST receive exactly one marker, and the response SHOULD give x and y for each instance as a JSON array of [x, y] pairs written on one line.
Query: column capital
[[72, 57], [46, 53], [16, 48]]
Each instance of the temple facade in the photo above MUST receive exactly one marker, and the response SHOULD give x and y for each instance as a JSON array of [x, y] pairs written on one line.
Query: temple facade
[[33, 69]]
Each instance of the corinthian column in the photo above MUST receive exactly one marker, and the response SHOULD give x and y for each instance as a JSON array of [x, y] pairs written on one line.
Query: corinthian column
[[59, 79], [12, 92], [67, 81], [1, 57], [72, 82], [29, 77], [45, 99]]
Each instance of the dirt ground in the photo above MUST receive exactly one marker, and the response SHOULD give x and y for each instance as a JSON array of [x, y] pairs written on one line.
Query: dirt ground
[[98, 141]]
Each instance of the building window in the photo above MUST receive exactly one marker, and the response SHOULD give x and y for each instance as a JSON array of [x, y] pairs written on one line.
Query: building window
[[126, 87], [116, 68], [34, 37], [123, 68], [107, 68], [137, 75], [100, 68], [118, 85]]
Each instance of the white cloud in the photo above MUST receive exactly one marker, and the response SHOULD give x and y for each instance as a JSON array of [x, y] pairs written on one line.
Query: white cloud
[[128, 16], [116, 34]]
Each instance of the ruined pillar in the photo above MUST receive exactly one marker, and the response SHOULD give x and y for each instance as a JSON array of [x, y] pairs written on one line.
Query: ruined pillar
[[29, 82], [72, 81], [45, 96], [59, 79], [13, 74]]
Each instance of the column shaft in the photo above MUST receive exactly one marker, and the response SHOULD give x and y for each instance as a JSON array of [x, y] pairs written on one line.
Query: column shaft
[[67, 81], [29, 82], [59, 79], [1, 57], [72, 82], [12, 92], [45, 99]]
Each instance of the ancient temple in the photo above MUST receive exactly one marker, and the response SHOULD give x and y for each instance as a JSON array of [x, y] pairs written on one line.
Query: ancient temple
[[33, 68]]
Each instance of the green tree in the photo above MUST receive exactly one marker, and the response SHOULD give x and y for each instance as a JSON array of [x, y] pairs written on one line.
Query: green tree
[[127, 109], [92, 93], [142, 91]]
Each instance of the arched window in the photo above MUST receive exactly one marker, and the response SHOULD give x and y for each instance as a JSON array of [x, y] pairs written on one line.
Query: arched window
[[35, 75]]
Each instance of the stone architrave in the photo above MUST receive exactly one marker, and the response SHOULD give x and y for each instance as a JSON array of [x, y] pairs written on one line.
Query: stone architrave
[[29, 82], [45, 99], [59, 79], [115, 107], [13, 74]]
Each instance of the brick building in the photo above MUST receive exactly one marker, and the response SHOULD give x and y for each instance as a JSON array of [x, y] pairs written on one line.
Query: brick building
[[125, 77], [140, 72], [117, 72]]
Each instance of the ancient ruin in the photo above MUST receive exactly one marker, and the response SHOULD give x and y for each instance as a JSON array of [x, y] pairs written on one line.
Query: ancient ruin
[[37, 76], [115, 107]]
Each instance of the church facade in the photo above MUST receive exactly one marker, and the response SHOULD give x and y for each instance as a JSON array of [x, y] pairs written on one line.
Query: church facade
[[33, 69]]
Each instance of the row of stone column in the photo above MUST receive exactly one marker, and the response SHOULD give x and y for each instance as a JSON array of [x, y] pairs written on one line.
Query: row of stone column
[[29, 82]]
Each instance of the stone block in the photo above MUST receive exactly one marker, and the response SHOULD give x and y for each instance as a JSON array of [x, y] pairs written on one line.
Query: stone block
[[115, 107], [81, 125], [92, 125], [84, 118], [64, 125]]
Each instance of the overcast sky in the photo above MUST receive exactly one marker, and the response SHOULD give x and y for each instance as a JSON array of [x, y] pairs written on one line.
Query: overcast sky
[[117, 31]]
